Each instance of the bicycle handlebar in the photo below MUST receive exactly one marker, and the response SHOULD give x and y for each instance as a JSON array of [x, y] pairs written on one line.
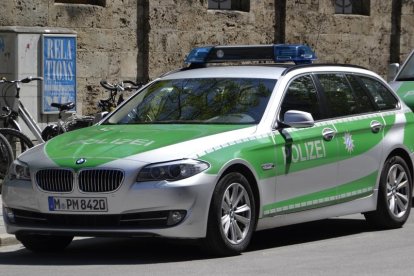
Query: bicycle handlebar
[[120, 86], [25, 80]]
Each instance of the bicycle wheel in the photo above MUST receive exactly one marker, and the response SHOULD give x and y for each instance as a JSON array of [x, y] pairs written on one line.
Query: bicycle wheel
[[51, 131], [19, 142], [6, 158]]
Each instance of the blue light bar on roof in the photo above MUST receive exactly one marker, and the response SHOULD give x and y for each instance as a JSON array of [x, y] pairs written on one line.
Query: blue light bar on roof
[[297, 53]]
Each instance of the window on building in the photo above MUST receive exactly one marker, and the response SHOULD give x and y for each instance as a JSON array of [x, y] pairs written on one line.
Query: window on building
[[238, 5], [101, 3], [361, 7]]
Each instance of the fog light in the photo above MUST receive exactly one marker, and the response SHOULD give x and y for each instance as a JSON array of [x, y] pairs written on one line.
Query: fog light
[[175, 217], [9, 214]]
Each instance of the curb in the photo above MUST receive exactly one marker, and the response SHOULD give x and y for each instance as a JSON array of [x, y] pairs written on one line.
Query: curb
[[6, 239]]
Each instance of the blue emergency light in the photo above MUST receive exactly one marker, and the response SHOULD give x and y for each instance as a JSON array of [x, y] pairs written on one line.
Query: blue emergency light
[[297, 53]]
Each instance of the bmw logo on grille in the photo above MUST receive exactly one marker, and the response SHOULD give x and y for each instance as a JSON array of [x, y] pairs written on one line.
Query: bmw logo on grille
[[80, 161]]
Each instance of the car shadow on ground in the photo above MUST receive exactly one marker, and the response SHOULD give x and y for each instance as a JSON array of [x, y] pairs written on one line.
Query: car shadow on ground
[[101, 251], [308, 232]]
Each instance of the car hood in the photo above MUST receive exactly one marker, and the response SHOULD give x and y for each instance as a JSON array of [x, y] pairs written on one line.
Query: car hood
[[145, 143]]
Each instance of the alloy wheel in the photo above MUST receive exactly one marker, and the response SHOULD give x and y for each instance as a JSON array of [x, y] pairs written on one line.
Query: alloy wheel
[[397, 190], [235, 213]]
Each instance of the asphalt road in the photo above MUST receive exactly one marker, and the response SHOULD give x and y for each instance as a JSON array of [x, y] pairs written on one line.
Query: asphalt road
[[339, 246]]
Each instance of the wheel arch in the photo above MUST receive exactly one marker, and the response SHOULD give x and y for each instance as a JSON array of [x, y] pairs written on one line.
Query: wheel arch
[[406, 156], [251, 178]]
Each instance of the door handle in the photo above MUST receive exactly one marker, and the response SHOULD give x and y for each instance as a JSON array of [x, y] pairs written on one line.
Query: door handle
[[376, 126], [328, 134]]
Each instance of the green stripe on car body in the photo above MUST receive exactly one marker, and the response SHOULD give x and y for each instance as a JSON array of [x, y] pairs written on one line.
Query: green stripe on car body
[[342, 193], [106, 143], [409, 132], [273, 147], [406, 92]]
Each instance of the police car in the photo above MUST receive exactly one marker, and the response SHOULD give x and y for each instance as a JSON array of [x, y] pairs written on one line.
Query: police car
[[217, 152], [403, 80]]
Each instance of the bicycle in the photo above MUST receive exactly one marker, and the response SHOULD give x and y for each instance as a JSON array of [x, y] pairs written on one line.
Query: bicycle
[[12, 131], [6, 158], [109, 104], [71, 123], [75, 122], [17, 109]]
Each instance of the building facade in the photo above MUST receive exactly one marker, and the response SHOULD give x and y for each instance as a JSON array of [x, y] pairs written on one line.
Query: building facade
[[141, 39]]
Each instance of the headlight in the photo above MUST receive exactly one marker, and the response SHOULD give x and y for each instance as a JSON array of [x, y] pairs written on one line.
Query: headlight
[[172, 171], [19, 170]]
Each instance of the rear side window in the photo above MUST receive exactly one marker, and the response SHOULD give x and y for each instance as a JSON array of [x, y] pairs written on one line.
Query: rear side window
[[365, 103], [341, 99], [383, 98]]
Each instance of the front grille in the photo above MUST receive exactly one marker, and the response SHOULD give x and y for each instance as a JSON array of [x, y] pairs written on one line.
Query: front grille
[[55, 180], [100, 181], [90, 181], [144, 220]]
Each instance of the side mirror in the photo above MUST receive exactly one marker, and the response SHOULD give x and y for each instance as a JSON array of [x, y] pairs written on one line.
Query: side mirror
[[392, 71], [298, 119]]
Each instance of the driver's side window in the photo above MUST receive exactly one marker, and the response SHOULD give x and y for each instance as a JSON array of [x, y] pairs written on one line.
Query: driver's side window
[[302, 95]]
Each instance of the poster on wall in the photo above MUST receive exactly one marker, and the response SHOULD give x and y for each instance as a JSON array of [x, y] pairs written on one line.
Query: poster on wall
[[59, 71]]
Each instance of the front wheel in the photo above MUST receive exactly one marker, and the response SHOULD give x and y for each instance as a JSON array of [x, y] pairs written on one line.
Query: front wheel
[[232, 216], [394, 195], [18, 140], [44, 243], [6, 158]]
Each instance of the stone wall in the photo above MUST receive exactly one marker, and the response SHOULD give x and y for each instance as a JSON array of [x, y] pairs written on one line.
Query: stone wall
[[142, 39], [355, 39], [179, 25], [407, 30], [107, 39]]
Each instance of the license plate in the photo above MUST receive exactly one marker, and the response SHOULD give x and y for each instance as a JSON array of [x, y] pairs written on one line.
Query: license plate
[[78, 204]]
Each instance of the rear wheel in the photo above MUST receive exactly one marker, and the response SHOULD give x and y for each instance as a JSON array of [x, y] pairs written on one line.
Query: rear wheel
[[232, 216], [394, 195], [18, 141], [44, 243], [6, 158]]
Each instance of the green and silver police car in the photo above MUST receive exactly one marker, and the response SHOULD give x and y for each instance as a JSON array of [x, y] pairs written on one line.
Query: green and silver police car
[[403, 80], [216, 151]]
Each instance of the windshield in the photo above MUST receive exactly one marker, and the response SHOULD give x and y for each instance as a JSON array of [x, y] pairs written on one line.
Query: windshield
[[407, 73], [197, 101]]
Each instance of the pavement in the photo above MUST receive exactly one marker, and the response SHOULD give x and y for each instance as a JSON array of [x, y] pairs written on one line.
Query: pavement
[[5, 239]]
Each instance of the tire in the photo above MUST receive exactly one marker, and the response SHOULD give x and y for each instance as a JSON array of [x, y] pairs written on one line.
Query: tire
[[394, 196], [44, 243], [18, 141], [6, 158], [232, 219], [50, 131]]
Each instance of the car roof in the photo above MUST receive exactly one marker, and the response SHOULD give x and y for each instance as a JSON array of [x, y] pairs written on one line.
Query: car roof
[[247, 71], [265, 71]]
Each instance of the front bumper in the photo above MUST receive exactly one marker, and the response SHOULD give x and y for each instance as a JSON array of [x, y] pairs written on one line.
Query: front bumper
[[137, 209]]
